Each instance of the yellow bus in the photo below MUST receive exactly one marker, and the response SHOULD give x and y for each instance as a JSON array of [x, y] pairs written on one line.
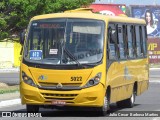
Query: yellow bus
[[82, 59]]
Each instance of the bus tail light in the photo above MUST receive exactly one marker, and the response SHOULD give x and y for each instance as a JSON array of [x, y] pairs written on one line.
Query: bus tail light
[[94, 81], [28, 80]]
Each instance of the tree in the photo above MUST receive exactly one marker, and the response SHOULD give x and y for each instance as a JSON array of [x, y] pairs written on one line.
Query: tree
[[15, 14]]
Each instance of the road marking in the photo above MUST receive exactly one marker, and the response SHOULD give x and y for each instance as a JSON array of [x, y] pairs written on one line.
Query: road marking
[[154, 68], [154, 81], [9, 102]]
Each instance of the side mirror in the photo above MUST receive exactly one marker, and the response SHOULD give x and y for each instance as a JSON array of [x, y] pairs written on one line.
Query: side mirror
[[22, 37]]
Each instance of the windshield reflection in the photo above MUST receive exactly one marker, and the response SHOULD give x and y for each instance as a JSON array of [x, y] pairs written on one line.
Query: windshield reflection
[[65, 41]]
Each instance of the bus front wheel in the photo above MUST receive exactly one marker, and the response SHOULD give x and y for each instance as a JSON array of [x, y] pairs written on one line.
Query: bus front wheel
[[104, 109], [32, 108]]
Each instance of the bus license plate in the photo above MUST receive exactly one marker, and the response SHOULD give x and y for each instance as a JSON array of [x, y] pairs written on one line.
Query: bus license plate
[[58, 102]]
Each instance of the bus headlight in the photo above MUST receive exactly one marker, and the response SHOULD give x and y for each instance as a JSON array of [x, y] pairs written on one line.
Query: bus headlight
[[28, 80], [94, 81]]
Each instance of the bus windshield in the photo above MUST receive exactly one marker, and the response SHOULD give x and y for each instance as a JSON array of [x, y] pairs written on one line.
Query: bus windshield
[[65, 41]]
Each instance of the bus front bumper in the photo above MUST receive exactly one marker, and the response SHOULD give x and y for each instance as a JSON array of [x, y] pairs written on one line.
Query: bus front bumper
[[88, 97]]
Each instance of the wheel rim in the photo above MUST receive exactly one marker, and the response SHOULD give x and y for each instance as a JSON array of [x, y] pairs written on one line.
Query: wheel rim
[[105, 104], [132, 98]]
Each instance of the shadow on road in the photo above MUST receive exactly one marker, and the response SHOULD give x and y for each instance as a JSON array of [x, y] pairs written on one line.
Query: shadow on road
[[74, 113]]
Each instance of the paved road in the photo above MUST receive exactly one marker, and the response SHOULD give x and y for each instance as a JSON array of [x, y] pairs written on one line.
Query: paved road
[[149, 101], [11, 78], [154, 73]]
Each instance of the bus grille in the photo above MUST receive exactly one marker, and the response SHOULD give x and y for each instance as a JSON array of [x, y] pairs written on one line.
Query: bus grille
[[44, 84], [51, 96]]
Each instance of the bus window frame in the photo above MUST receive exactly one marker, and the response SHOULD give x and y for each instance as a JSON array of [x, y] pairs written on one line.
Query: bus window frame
[[138, 40], [120, 26], [114, 42], [126, 40], [134, 44], [144, 29]]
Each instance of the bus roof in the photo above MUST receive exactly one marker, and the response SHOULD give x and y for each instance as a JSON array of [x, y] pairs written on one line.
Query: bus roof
[[90, 15]]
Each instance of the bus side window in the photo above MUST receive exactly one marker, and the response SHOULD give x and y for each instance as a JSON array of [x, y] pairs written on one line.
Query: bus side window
[[112, 42], [138, 41], [125, 39], [134, 41], [121, 43], [144, 34], [141, 41], [130, 42]]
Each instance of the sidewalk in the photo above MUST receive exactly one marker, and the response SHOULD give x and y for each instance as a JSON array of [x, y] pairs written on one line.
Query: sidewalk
[[9, 99], [9, 95]]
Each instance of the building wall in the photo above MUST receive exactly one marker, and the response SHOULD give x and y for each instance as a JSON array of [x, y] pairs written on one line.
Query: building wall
[[9, 54], [17, 50], [6, 54]]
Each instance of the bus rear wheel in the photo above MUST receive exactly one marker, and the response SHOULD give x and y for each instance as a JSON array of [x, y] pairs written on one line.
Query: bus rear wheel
[[32, 108], [128, 102]]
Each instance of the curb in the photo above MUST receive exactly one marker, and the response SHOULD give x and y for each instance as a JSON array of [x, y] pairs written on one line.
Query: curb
[[7, 70], [3, 85]]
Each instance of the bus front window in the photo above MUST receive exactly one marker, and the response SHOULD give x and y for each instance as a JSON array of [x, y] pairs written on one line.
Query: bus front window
[[65, 41]]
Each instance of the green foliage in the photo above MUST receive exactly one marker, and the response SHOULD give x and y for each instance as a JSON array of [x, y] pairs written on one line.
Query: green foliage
[[15, 14]]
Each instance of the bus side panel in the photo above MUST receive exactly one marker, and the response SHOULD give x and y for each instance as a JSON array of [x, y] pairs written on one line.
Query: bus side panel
[[143, 76], [122, 76], [120, 87], [144, 86], [114, 80]]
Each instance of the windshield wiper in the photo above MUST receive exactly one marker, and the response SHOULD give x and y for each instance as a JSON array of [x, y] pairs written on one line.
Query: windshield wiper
[[51, 58], [91, 64], [72, 57]]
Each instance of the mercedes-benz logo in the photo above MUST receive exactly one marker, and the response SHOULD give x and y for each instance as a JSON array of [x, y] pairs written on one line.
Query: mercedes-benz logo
[[59, 86], [42, 77]]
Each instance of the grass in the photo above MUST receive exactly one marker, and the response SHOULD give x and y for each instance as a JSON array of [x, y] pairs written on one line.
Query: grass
[[9, 89]]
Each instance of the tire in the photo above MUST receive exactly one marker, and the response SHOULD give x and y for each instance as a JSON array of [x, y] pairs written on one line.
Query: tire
[[32, 108], [104, 109], [128, 103]]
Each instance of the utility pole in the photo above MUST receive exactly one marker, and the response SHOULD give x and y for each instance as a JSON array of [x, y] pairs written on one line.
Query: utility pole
[[154, 2]]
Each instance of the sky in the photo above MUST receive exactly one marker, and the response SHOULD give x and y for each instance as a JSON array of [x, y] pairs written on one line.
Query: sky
[[130, 2]]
